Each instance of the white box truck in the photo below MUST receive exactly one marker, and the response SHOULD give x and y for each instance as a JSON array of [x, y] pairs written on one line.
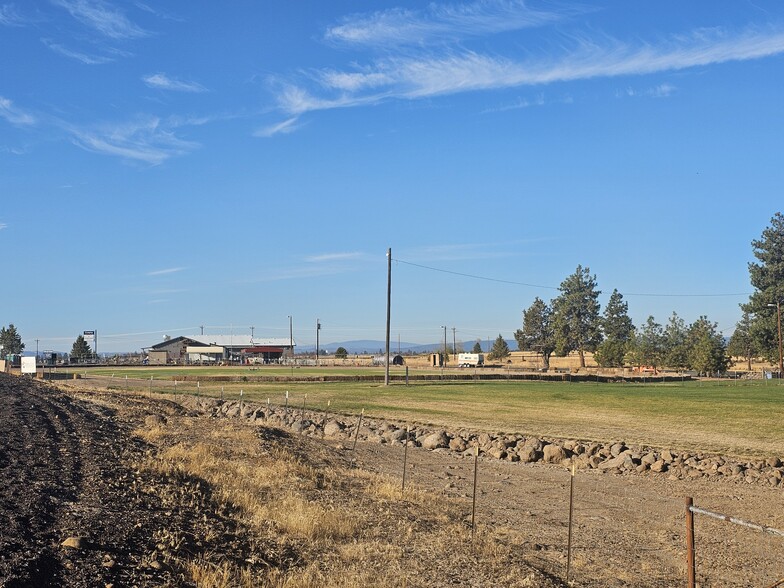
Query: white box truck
[[470, 360]]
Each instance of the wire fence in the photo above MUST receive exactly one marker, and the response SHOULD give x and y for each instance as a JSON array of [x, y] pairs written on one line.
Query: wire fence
[[765, 560]]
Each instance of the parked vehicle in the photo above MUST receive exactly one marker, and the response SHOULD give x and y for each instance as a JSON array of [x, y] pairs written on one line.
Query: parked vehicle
[[470, 360]]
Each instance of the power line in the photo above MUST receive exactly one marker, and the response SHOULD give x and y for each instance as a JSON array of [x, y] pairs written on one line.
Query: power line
[[514, 283], [475, 277]]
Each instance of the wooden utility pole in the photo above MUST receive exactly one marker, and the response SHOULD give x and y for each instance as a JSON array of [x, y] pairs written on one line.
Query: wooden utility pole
[[389, 305]]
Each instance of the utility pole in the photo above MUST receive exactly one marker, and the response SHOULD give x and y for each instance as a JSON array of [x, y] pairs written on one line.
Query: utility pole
[[291, 336], [202, 329], [454, 344], [318, 328], [443, 363], [389, 303], [36, 352], [251, 334]]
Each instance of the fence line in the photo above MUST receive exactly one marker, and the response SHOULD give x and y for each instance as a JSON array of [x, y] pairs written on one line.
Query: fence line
[[691, 510]]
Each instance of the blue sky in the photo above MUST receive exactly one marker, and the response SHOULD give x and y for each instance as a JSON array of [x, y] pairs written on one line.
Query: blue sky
[[169, 165]]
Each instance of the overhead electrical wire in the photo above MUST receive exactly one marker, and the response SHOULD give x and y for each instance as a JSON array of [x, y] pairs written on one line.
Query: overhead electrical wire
[[514, 283]]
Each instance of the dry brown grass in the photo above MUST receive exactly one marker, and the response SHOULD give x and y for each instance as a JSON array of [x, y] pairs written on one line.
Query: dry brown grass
[[351, 528]]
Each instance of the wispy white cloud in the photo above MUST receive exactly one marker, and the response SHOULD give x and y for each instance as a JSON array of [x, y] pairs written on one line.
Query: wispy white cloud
[[433, 74], [441, 22], [518, 104], [163, 82], [102, 17], [661, 91], [287, 126], [83, 57], [313, 266], [329, 257], [145, 139], [14, 150], [15, 115], [10, 16], [158, 12], [3, 226], [163, 272]]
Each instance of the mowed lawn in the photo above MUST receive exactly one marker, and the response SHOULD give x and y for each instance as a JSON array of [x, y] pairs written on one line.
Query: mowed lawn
[[734, 417]]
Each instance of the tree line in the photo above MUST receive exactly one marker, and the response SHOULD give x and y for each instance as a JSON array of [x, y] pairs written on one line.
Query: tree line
[[574, 322]]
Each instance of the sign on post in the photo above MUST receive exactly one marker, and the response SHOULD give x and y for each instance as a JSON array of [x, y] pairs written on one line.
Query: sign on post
[[29, 365]]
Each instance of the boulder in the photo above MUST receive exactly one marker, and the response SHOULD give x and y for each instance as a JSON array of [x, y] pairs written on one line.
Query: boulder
[[484, 440], [534, 442], [617, 448], [395, 435], [648, 459], [458, 444], [333, 428], [659, 466], [437, 440], [528, 454], [497, 453], [621, 461], [553, 453]]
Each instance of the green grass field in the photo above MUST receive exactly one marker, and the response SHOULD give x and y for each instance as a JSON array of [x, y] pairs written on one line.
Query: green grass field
[[733, 417]]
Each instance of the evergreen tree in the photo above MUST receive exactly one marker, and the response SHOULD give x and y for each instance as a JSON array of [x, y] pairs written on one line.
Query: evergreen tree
[[618, 332], [537, 333], [767, 278], [675, 344], [647, 347], [341, 353], [81, 349], [500, 349], [742, 343], [11, 341], [577, 323], [707, 352], [477, 347]]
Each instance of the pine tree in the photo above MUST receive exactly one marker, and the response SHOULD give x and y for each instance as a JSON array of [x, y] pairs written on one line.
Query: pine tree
[[675, 345], [477, 347], [648, 345], [618, 331], [577, 323], [81, 349], [500, 349], [767, 278], [707, 352], [537, 333], [10, 341], [742, 343]]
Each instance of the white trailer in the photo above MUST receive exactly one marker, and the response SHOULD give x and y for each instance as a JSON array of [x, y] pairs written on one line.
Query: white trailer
[[470, 360]]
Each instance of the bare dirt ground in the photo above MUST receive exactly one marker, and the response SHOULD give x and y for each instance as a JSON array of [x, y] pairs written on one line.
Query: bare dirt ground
[[67, 473], [66, 476], [628, 530]]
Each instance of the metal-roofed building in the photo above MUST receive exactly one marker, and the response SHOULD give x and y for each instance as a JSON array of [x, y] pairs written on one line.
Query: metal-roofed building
[[221, 348]]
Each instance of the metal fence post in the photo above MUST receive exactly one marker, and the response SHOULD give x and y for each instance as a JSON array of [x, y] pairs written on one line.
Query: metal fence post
[[690, 560]]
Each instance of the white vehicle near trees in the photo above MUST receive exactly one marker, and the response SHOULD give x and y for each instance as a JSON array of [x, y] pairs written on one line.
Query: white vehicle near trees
[[470, 360]]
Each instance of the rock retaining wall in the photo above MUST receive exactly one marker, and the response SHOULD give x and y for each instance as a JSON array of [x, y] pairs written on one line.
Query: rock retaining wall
[[615, 457]]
